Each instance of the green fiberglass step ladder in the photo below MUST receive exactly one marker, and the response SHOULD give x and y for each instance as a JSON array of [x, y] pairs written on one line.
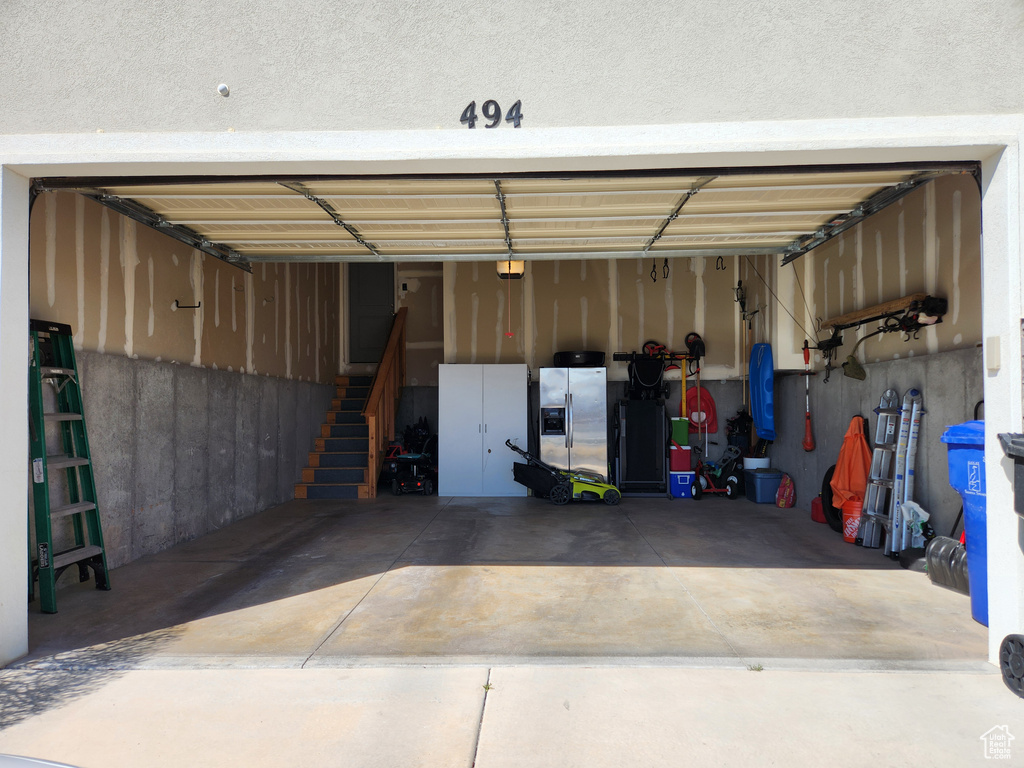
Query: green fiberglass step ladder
[[76, 519]]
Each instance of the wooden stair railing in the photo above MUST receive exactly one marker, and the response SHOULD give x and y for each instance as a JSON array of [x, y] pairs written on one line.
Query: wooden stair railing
[[379, 410]]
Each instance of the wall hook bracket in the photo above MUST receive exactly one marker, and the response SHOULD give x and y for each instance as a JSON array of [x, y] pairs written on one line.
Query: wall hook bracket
[[187, 306]]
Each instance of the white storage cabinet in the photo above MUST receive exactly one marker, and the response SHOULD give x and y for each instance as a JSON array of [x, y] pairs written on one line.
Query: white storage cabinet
[[479, 407]]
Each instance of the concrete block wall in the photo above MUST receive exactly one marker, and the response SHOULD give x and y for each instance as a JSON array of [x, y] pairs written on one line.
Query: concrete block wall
[[951, 384], [181, 451]]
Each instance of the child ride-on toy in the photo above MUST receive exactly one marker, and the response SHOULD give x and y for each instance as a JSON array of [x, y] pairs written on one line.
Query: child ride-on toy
[[722, 476], [561, 485], [416, 472]]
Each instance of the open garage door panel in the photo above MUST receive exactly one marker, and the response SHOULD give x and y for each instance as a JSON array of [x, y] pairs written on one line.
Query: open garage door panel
[[707, 212]]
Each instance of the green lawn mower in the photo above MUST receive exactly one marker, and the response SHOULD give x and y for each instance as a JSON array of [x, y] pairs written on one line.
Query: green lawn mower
[[561, 485]]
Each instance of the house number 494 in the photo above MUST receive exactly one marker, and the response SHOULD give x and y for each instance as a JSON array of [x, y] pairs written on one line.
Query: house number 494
[[492, 113]]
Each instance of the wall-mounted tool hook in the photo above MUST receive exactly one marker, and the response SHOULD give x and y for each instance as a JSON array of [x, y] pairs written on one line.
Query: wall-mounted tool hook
[[187, 306]]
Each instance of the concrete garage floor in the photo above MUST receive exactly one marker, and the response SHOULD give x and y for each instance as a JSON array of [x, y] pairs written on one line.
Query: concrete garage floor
[[413, 579], [492, 632]]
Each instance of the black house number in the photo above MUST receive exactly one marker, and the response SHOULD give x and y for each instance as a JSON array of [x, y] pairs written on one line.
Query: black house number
[[492, 113]]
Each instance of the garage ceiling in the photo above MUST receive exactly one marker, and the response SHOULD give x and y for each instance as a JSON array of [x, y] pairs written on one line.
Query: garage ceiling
[[663, 214]]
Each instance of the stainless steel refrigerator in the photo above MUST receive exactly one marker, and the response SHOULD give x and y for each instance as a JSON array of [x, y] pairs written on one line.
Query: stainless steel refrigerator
[[574, 419]]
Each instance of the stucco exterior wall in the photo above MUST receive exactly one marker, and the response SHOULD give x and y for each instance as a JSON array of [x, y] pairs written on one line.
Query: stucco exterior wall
[[387, 64], [115, 282]]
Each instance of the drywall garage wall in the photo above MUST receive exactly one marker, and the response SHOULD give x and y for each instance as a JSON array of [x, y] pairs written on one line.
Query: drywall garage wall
[[609, 305], [929, 241], [197, 417]]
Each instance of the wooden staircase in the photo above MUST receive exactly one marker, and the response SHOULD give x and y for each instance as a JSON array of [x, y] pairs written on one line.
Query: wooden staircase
[[338, 465], [347, 457]]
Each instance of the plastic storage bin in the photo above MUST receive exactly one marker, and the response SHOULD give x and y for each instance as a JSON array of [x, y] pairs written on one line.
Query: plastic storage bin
[[966, 456], [681, 484], [762, 484], [681, 430], [680, 459]]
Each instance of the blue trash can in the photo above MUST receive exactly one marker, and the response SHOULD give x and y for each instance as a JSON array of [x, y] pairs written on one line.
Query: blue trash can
[[966, 446]]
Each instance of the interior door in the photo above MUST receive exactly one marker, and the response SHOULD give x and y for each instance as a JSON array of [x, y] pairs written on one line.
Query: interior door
[[371, 309]]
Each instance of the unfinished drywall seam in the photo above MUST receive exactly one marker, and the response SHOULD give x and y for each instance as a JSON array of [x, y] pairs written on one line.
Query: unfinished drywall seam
[[287, 321], [448, 332], [196, 281], [554, 325], [670, 315], [234, 306], [129, 258], [474, 322], [80, 269], [151, 317], [529, 316], [51, 249], [901, 229], [957, 238], [498, 329], [101, 345], [316, 322], [641, 305], [216, 299], [700, 298], [250, 321], [931, 259], [614, 318], [584, 320], [296, 351]]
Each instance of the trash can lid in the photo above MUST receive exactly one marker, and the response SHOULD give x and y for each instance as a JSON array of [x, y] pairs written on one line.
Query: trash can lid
[[968, 433]]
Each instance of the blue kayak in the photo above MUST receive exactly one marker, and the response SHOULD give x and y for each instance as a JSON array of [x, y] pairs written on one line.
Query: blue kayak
[[762, 390]]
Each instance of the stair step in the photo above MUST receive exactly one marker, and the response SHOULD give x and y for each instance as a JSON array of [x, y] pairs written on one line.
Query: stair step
[[337, 459], [61, 461], [345, 380], [59, 416], [330, 491], [316, 475], [344, 430], [71, 509], [345, 417], [76, 555], [341, 444], [353, 393], [347, 404]]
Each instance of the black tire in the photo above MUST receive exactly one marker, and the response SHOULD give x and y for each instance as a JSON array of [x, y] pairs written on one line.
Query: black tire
[[396, 488], [428, 487], [833, 516], [702, 482], [611, 497], [1011, 663], [561, 494], [732, 488], [696, 491]]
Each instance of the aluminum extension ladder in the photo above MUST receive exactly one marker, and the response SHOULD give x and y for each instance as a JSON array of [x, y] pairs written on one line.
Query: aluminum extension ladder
[[74, 520], [875, 516]]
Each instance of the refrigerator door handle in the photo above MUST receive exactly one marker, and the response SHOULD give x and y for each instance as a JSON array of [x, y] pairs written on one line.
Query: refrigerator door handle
[[568, 418], [570, 421]]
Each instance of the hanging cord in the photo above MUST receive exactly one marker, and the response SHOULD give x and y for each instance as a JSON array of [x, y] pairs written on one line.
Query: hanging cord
[[777, 301], [654, 271], [803, 296], [664, 270], [508, 333]]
